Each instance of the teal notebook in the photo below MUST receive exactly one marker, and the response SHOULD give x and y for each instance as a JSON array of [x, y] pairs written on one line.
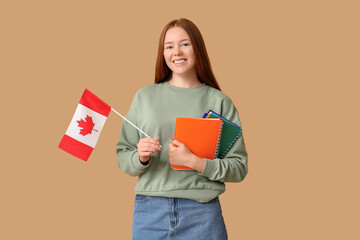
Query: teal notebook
[[230, 133]]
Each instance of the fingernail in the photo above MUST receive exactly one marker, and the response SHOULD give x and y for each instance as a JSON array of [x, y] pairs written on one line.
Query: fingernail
[[171, 139]]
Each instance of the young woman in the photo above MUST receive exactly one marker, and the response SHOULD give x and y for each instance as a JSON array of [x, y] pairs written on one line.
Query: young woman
[[178, 204]]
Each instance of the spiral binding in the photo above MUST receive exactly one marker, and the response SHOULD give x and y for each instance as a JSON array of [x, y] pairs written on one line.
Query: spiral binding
[[231, 145], [218, 140]]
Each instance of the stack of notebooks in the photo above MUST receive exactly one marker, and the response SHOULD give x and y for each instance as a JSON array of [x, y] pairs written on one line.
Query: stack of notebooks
[[230, 133], [209, 137]]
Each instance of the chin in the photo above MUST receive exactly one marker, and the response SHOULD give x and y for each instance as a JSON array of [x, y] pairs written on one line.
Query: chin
[[180, 73]]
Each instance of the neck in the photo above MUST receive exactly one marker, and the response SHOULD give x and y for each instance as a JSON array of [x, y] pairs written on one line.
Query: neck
[[185, 81]]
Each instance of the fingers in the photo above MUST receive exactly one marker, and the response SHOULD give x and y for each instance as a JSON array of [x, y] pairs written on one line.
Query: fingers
[[149, 140], [149, 145], [172, 147], [176, 142]]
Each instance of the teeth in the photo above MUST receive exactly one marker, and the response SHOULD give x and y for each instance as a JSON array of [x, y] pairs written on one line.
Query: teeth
[[179, 61]]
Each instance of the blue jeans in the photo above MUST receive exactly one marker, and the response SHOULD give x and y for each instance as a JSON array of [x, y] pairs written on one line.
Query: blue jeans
[[160, 218]]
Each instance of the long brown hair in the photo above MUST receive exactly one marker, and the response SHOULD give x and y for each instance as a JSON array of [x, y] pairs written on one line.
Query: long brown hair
[[202, 65]]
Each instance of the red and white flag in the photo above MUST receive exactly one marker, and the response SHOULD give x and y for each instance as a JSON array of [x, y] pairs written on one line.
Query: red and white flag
[[85, 127]]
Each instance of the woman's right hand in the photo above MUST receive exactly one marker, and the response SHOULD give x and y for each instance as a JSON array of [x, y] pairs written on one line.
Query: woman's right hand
[[146, 147]]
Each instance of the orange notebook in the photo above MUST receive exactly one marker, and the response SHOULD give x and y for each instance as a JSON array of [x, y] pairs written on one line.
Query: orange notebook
[[200, 135]]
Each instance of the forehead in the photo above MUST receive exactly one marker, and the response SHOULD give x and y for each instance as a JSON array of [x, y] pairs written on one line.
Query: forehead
[[176, 34]]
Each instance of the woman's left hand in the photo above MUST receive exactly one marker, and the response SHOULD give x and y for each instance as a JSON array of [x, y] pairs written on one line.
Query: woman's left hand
[[181, 155]]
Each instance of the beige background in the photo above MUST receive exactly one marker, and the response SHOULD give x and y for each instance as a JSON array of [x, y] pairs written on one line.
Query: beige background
[[290, 67]]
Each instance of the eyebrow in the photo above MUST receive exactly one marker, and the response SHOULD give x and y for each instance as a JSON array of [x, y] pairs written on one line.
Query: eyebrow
[[180, 41]]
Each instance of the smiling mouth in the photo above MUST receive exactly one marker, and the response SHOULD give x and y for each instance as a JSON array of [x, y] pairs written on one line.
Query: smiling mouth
[[179, 61]]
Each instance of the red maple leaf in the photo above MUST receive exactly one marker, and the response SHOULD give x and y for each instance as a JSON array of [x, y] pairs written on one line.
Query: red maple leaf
[[87, 125]]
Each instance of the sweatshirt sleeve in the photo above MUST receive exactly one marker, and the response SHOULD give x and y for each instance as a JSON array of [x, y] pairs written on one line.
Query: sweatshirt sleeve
[[233, 167], [126, 148]]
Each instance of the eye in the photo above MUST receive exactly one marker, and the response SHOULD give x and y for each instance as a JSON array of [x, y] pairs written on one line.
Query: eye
[[168, 47], [186, 44]]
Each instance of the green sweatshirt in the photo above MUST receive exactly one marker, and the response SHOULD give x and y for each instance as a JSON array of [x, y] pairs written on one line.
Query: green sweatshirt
[[154, 110]]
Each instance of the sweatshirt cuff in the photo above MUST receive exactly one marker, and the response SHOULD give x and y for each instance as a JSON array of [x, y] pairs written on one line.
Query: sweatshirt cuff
[[137, 164], [209, 169]]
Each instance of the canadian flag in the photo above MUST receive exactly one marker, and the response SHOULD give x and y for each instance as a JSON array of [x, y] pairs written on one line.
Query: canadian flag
[[85, 127]]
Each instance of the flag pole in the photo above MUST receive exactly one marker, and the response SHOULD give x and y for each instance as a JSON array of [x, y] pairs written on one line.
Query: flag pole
[[131, 124]]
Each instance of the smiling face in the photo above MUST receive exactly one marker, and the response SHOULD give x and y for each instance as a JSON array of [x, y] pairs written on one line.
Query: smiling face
[[178, 52]]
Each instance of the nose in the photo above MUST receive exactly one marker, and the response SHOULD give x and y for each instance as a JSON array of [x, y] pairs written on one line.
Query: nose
[[177, 51]]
